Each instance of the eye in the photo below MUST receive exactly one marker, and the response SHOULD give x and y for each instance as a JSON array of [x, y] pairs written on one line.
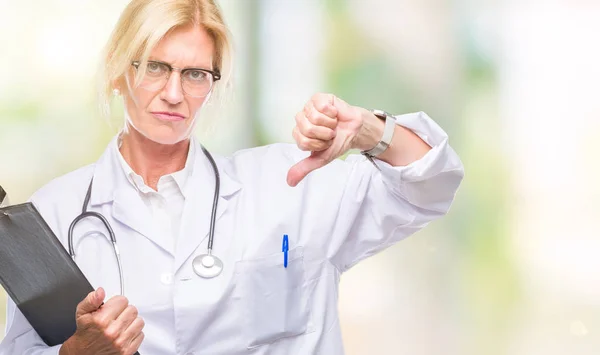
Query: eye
[[196, 75], [156, 69]]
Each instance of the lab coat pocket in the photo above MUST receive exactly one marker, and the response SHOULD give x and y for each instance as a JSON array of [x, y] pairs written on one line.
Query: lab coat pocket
[[274, 298]]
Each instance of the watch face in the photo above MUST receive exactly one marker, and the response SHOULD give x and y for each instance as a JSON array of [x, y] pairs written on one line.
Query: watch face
[[380, 113]]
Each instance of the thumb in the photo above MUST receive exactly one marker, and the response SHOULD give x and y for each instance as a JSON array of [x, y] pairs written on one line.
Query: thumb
[[342, 107], [91, 303], [304, 167]]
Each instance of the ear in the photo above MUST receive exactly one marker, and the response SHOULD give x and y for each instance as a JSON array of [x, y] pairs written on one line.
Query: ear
[[116, 87]]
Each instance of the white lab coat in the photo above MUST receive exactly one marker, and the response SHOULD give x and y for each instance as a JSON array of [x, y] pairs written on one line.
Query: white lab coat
[[336, 217]]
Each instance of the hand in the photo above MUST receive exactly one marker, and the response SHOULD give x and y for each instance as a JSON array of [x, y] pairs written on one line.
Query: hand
[[328, 127], [114, 328]]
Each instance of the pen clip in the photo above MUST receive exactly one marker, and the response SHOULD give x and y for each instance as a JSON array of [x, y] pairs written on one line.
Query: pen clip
[[284, 248]]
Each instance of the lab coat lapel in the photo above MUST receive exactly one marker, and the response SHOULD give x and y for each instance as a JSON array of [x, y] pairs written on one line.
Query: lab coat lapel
[[129, 209], [195, 222], [111, 185]]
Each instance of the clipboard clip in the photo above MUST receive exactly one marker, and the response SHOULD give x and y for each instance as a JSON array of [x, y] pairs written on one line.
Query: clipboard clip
[[3, 200]]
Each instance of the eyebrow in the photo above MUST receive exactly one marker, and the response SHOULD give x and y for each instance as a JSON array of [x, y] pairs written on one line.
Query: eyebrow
[[184, 68]]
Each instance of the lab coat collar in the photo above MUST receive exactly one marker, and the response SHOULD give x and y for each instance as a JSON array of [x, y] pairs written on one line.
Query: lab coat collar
[[179, 177], [112, 185]]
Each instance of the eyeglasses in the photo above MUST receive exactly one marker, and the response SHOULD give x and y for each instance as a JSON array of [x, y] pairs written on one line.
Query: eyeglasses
[[196, 82]]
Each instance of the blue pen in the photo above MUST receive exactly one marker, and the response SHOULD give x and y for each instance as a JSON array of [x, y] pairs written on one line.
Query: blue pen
[[284, 248]]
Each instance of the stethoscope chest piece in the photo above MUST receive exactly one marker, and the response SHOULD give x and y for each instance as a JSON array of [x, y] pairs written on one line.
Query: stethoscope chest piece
[[207, 266]]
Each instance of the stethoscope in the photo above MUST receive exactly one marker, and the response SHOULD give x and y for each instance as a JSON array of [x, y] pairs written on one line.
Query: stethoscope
[[204, 265]]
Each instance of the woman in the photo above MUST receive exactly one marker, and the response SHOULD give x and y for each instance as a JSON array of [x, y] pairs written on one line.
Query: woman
[[287, 225]]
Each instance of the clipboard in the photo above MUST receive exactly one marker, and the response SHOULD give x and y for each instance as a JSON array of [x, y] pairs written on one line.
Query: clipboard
[[38, 273], [2, 197]]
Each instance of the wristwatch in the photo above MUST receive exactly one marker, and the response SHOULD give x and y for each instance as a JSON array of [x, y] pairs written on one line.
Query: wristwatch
[[388, 134]]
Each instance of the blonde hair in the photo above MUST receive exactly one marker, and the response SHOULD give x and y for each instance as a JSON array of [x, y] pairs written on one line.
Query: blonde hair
[[144, 23]]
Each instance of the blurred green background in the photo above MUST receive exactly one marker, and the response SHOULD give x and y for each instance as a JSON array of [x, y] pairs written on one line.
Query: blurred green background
[[513, 269]]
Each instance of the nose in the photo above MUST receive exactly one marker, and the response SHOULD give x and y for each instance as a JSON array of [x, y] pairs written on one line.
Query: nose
[[173, 91]]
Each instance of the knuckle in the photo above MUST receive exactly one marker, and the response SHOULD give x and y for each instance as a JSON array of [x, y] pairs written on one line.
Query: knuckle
[[315, 116], [304, 123], [88, 298], [319, 120], [314, 144], [133, 310], [328, 134], [119, 344], [322, 98], [99, 322], [322, 105], [113, 301], [304, 143], [110, 334], [307, 108]]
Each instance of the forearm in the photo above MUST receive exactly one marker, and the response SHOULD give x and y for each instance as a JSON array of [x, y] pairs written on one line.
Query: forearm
[[406, 147], [389, 204]]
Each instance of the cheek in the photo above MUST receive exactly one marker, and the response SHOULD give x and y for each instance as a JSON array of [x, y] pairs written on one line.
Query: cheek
[[139, 104]]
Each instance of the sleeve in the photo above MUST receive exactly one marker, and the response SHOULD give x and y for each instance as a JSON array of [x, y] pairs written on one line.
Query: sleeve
[[380, 207], [20, 337]]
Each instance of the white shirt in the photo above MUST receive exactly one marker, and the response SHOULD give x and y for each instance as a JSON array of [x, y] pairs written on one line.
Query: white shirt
[[167, 202], [336, 217]]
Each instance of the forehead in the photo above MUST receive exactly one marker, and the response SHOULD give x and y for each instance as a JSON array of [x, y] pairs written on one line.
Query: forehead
[[189, 46]]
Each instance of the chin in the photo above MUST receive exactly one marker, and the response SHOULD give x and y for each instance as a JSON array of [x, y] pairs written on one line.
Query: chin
[[167, 137]]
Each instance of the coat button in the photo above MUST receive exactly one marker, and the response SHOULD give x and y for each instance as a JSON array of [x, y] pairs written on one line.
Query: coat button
[[166, 278]]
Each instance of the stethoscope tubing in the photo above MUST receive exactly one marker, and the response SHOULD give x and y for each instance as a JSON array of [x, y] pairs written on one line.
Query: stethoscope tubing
[[85, 214]]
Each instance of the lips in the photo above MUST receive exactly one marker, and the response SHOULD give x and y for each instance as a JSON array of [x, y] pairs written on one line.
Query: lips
[[168, 116]]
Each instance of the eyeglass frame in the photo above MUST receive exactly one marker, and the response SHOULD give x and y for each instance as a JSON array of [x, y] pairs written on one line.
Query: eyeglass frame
[[216, 75]]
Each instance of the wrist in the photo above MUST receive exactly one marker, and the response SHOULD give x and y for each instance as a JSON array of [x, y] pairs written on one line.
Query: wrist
[[370, 132], [68, 347]]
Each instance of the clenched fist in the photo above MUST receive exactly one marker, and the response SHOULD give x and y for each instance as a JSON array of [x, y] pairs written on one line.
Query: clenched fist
[[113, 328], [328, 127]]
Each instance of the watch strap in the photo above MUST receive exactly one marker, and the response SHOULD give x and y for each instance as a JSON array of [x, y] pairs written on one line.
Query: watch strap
[[388, 134]]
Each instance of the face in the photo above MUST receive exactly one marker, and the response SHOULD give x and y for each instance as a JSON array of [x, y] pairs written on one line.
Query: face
[[167, 115]]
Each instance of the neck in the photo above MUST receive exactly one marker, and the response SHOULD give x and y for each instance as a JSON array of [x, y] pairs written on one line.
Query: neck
[[152, 160]]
